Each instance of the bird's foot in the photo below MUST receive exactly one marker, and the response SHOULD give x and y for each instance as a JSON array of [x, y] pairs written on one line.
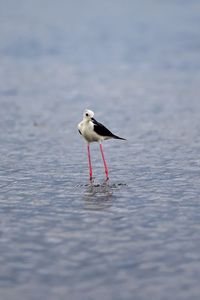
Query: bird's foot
[[91, 179]]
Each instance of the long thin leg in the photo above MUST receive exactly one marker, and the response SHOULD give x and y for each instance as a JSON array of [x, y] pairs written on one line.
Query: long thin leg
[[104, 162], [89, 160]]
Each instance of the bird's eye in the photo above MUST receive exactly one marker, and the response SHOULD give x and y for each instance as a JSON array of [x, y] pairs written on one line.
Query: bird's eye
[[86, 114]]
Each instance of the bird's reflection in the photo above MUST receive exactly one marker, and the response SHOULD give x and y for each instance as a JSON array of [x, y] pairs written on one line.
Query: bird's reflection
[[98, 196]]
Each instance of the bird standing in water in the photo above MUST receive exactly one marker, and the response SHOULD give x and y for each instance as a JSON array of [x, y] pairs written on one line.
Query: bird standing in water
[[94, 131]]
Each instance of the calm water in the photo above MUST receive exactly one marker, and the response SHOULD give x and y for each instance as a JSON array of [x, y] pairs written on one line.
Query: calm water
[[137, 65]]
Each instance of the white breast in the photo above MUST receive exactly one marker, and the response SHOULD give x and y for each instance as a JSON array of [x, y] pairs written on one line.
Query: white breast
[[87, 130]]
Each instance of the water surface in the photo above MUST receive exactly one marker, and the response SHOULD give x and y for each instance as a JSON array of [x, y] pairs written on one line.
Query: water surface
[[137, 65]]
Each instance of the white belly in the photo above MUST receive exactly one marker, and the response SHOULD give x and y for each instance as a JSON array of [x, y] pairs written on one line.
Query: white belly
[[87, 131]]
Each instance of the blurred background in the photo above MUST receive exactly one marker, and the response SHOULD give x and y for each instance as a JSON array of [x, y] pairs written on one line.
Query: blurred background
[[137, 65]]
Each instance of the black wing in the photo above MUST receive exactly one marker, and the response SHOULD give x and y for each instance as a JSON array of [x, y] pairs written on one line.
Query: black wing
[[102, 130]]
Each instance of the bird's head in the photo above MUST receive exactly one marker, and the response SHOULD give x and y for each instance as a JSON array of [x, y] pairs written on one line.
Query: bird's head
[[88, 114]]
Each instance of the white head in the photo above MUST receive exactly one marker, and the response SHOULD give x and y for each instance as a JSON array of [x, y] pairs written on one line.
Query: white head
[[88, 114]]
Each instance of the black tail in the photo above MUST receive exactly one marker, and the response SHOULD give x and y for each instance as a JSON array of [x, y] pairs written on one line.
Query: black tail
[[118, 137]]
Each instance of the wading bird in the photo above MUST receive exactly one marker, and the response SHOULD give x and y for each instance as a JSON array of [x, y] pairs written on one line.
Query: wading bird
[[94, 131]]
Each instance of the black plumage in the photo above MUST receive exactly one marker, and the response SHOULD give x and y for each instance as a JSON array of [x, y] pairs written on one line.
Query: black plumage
[[103, 131]]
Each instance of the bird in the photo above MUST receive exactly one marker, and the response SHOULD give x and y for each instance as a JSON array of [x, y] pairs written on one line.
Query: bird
[[93, 131]]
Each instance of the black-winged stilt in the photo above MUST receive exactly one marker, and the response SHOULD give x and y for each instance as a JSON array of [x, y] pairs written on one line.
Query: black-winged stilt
[[94, 131]]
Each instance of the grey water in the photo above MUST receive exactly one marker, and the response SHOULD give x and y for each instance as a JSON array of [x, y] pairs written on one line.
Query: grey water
[[137, 65]]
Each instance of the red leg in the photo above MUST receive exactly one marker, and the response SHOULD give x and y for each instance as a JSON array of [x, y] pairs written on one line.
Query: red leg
[[89, 160], [104, 162]]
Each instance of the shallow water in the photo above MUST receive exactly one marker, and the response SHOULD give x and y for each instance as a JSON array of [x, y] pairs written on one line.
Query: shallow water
[[137, 65]]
